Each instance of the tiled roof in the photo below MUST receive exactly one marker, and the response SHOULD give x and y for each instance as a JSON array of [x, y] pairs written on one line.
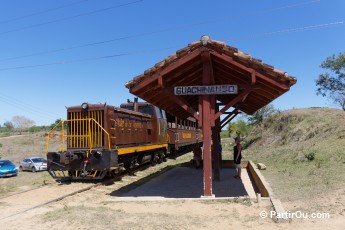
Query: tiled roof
[[228, 65], [220, 47]]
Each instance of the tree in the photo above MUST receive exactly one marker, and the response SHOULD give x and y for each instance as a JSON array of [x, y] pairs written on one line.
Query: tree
[[21, 123], [262, 114], [240, 128], [8, 125], [57, 121], [332, 83]]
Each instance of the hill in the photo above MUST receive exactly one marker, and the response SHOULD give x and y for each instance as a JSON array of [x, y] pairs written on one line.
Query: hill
[[304, 150]]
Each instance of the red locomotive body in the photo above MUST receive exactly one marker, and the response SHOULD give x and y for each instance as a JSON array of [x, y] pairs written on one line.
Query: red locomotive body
[[103, 139]]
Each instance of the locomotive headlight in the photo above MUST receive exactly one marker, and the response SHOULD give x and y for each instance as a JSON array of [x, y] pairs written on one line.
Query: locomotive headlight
[[84, 106]]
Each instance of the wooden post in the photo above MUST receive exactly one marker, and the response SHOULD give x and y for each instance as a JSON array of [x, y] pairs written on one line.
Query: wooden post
[[207, 121], [215, 149], [207, 160]]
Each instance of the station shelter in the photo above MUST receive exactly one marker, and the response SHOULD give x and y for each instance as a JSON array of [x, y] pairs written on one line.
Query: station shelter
[[205, 80]]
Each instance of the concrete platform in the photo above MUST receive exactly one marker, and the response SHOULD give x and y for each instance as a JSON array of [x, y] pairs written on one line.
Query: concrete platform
[[187, 182]]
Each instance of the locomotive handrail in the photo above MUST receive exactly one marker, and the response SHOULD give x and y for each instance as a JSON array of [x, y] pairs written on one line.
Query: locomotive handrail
[[89, 135]]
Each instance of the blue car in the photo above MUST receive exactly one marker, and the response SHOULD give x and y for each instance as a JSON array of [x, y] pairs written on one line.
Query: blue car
[[7, 168]]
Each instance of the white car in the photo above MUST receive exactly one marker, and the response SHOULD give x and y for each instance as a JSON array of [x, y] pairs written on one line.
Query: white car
[[33, 164]]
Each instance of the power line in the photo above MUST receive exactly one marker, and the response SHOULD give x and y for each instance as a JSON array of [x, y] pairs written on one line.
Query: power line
[[299, 29], [75, 47], [292, 30], [90, 44], [71, 17], [150, 33], [63, 62], [42, 12], [83, 59], [25, 106], [305, 28], [291, 6]]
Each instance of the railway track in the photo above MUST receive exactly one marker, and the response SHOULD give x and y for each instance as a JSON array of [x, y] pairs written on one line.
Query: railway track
[[28, 200]]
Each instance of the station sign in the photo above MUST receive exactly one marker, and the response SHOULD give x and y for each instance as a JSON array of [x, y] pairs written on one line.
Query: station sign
[[205, 89]]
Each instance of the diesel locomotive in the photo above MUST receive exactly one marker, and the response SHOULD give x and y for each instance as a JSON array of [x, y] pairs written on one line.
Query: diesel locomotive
[[100, 140]]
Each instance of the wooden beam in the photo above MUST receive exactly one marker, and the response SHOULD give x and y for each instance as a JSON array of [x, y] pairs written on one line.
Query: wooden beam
[[242, 95], [182, 103], [267, 88], [227, 117], [177, 64], [277, 82], [253, 77], [235, 114], [230, 114], [188, 71], [160, 81]]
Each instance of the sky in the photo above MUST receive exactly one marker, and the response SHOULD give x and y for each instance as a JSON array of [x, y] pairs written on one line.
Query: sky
[[55, 54]]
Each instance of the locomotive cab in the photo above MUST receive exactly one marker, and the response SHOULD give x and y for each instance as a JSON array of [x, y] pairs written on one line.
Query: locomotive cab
[[158, 128]]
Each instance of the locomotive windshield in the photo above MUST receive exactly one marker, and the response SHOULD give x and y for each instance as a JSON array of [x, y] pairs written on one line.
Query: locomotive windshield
[[129, 107], [160, 113], [147, 109]]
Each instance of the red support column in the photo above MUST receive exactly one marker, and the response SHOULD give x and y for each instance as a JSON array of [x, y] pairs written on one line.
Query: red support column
[[215, 148], [200, 112], [207, 121], [206, 128]]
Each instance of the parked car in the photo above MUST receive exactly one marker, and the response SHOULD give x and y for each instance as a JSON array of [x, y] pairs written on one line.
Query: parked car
[[33, 164], [7, 168]]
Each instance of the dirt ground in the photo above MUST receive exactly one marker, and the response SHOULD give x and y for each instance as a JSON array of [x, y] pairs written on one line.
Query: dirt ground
[[98, 208]]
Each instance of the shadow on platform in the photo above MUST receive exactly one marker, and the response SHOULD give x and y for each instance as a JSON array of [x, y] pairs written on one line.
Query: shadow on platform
[[185, 182]]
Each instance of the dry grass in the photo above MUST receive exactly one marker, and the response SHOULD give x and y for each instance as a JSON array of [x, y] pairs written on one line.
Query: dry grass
[[176, 214], [17, 148], [283, 142]]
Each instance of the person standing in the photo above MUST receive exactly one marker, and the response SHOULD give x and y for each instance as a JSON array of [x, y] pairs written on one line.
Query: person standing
[[197, 155], [238, 156], [220, 151]]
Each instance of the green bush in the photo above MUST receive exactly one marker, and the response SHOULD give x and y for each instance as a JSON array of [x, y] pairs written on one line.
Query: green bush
[[1, 145], [310, 156], [239, 128]]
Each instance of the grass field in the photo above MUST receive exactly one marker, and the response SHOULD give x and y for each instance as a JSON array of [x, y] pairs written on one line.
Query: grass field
[[304, 151], [16, 148]]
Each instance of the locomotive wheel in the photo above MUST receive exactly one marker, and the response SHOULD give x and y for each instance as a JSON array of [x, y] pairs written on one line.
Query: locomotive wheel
[[130, 166], [163, 157], [155, 159], [153, 163], [112, 173]]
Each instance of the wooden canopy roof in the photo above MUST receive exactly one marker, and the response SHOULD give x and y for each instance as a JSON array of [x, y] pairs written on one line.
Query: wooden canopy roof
[[258, 83]]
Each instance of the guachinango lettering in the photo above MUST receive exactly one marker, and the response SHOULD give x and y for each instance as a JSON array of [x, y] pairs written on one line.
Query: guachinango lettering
[[211, 89]]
